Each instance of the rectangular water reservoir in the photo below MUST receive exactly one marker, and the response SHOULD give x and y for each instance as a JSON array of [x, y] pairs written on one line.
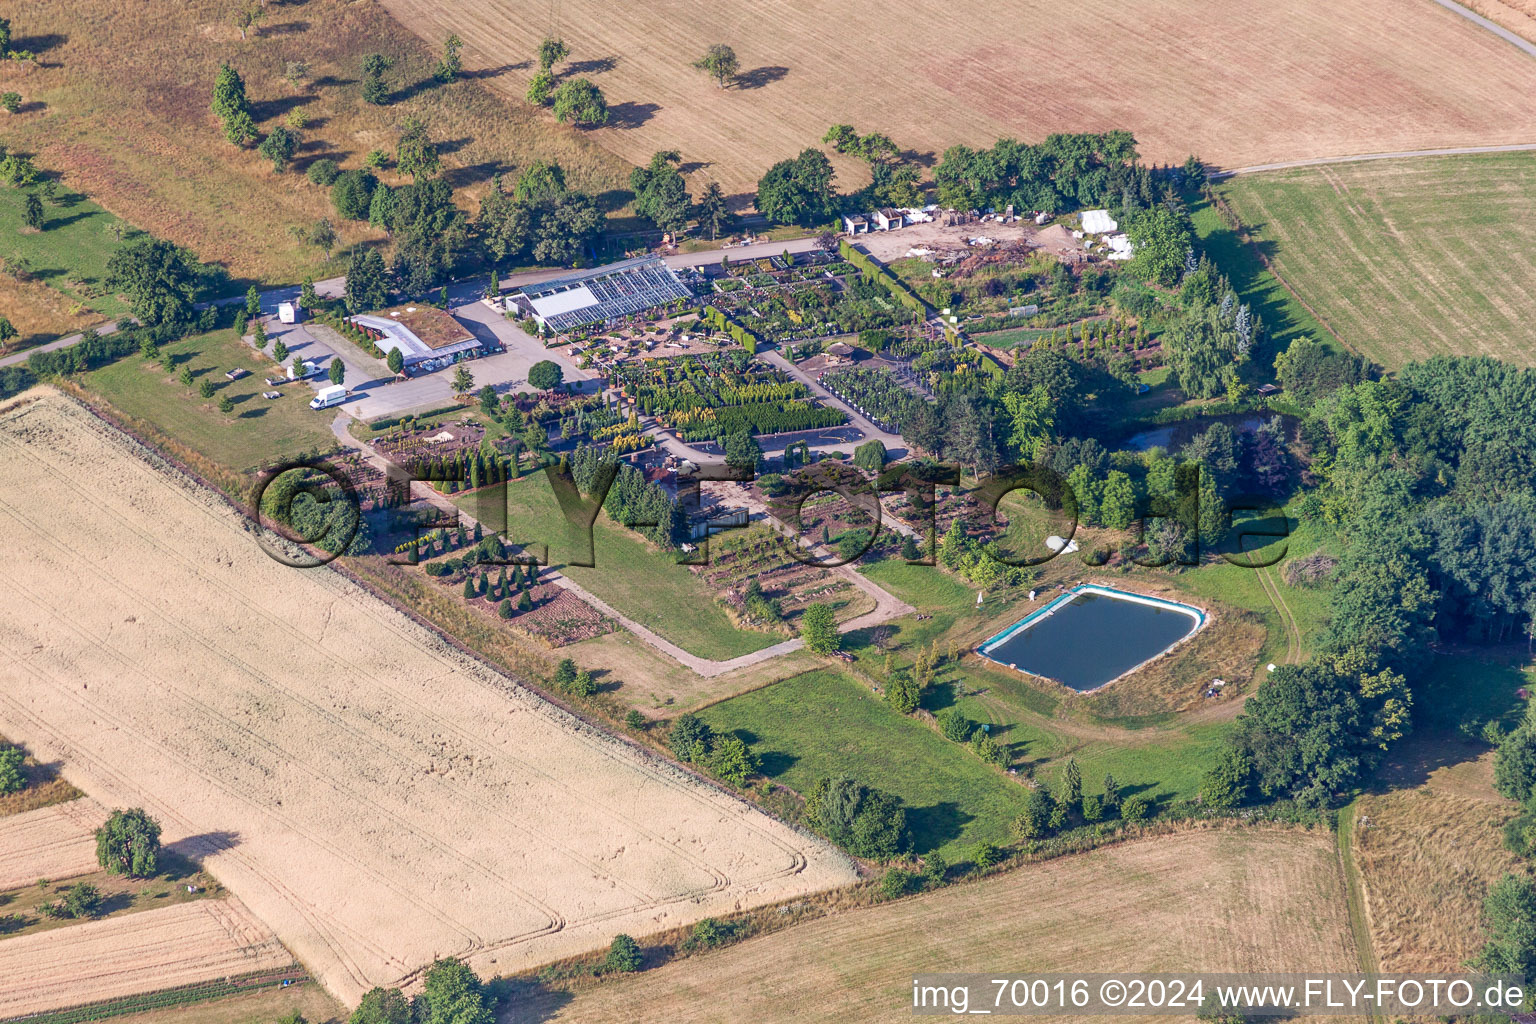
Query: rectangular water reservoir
[[1092, 635]]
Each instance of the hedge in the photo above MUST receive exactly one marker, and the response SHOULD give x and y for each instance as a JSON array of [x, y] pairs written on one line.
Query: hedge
[[717, 319], [875, 271]]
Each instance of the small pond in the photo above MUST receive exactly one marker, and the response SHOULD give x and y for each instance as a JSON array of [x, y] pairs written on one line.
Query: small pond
[[1092, 635], [1174, 436]]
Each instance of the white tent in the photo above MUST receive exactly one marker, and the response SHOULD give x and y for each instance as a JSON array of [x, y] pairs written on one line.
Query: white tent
[[1098, 222]]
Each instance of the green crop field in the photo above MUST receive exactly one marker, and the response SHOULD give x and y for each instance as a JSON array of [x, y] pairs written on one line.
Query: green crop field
[[823, 724], [638, 580], [1406, 259], [258, 431]]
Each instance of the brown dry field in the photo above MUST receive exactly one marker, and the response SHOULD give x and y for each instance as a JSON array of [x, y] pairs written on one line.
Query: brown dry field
[[120, 106], [1432, 849], [262, 1006], [1519, 16], [54, 842], [1236, 83], [373, 795], [1215, 900], [122, 956]]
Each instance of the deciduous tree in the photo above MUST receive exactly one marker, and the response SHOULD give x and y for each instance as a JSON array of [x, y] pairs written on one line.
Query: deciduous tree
[[720, 63], [129, 843]]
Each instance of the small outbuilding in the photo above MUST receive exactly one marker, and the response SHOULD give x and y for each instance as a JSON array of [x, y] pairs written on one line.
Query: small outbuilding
[[426, 337], [887, 219], [855, 224]]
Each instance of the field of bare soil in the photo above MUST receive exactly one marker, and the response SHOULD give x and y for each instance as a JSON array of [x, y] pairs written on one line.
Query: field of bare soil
[[1211, 901], [52, 842], [123, 956], [374, 796], [1236, 83]]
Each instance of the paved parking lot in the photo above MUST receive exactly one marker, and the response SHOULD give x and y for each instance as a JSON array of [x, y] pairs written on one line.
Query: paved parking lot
[[376, 392]]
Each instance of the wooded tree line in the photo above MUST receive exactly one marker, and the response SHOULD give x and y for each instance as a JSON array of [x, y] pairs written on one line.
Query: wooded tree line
[[1428, 478]]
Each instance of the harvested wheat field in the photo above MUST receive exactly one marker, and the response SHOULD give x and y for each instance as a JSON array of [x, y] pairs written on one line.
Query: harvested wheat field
[[123, 956], [1427, 854], [1410, 258], [373, 795], [1251, 900], [1237, 83], [52, 842]]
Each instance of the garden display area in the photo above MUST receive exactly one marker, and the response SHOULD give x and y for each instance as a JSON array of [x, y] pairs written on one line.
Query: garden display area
[[705, 397], [638, 579]]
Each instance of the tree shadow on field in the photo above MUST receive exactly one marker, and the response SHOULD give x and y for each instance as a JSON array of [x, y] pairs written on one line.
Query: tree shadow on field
[[474, 174], [591, 67], [624, 116], [40, 44], [287, 28], [326, 81], [613, 199], [694, 165], [265, 110], [535, 1002], [936, 824], [497, 71], [194, 848], [759, 77]]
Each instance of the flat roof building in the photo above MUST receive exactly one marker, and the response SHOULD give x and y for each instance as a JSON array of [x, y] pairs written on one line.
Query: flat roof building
[[601, 294], [421, 334]]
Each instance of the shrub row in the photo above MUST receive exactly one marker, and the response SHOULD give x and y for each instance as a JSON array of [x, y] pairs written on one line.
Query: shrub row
[[875, 272], [718, 320]]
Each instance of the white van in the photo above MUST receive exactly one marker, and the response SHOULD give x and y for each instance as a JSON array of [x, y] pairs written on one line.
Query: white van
[[327, 397]]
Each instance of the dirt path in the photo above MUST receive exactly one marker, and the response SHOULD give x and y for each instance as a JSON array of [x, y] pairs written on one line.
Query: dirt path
[[1292, 631], [1354, 896]]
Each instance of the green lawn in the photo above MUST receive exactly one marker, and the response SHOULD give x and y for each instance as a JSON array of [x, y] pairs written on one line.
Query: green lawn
[[70, 254], [1406, 258], [638, 580], [257, 432], [823, 723]]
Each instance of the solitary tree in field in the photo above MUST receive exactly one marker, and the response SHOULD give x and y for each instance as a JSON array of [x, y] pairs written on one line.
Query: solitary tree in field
[[323, 238], [338, 372], [129, 843], [279, 147], [205, 389], [185, 377], [32, 210], [581, 103], [226, 405], [374, 89], [417, 154], [8, 332], [720, 62], [818, 628], [449, 67], [158, 278], [247, 16], [552, 52], [11, 102]]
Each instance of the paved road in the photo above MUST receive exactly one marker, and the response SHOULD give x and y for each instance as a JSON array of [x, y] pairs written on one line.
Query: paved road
[[1520, 147], [1482, 22], [53, 346]]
